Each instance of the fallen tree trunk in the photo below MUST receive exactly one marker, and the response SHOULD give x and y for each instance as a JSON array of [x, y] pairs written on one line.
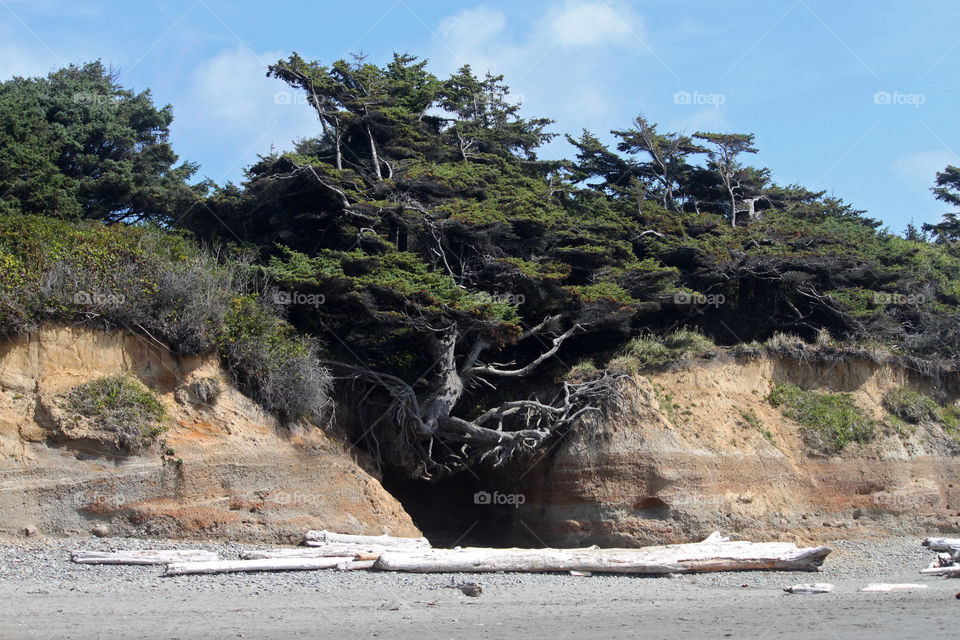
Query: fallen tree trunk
[[145, 556], [319, 538], [943, 544], [681, 558], [953, 571], [265, 564], [324, 551]]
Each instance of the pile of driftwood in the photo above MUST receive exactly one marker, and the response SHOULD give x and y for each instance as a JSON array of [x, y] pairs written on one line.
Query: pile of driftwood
[[326, 550], [947, 561]]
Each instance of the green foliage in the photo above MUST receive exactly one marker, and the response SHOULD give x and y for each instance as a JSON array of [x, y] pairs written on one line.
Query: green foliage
[[123, 405], [651, 352], [912, 406], [831, 420], [916, 408], [161, 285], [277, 367], [77, 144]]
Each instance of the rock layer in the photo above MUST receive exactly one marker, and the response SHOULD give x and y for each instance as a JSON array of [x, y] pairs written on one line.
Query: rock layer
[[698, 449], [225, 468]]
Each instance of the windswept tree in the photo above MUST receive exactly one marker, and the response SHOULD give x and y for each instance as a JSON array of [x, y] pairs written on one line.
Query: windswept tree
[[77, 144], [452, 280], [667, 153], [947, 190], [723, 153]]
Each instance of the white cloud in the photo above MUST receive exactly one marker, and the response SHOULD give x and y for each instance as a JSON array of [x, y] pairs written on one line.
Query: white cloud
[[920, 169], [586, 23], [231, 103], [556, 61], [472, 29]]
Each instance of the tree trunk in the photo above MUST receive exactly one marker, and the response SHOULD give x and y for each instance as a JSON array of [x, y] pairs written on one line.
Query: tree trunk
[[374, 158], [358, 551], [682, 558], [267, 564], [316, 538], [446, 393], [143, 557], [942, 544]]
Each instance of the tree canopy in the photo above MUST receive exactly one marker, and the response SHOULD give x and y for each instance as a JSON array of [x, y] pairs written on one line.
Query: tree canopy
[[454, 277], [77, 144]]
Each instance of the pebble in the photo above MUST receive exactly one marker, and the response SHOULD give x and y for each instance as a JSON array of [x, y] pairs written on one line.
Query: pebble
[[44, 564]]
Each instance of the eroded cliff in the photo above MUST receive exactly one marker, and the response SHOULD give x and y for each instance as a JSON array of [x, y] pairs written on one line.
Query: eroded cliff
[[223, 467]]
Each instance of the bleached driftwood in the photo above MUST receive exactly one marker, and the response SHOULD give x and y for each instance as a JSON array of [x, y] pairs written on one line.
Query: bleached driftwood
[[816, 587], [942, 544], [883, 587], [265, 564], [144, 556], [681, 558], [952, 571], [320, 538], [324, 551]]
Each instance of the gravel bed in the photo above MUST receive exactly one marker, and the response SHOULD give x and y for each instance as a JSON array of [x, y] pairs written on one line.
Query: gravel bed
[[45, 564]]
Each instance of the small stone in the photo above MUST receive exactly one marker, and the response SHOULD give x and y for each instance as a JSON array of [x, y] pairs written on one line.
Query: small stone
[[101, 531], [29, 531], [857, 514]]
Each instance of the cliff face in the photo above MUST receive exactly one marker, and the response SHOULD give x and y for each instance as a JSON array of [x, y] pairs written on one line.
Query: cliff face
[[234, 470], [699, 449]]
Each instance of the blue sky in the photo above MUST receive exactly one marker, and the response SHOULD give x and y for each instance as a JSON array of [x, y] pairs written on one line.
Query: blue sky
[[855, 97]]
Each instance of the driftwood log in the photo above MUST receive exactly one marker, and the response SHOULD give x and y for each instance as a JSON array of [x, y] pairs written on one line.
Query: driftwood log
[[146, 556], [266, 564], [321, 538], [951, 545], [324, 551], [681, 558]]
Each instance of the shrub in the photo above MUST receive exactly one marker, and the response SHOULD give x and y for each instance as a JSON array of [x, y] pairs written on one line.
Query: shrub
[[161, 285], [912, 406], [651, 351], [122, 405], [831, 420], [583, 370], [272, 364]]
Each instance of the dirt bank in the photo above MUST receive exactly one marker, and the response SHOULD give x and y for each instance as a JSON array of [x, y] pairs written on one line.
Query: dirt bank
[[224, 466]]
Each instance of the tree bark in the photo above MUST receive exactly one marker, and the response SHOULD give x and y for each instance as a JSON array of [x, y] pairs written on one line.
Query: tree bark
[[682, 558], [144, 557], [316, 538], [374, 158], [266, 564]]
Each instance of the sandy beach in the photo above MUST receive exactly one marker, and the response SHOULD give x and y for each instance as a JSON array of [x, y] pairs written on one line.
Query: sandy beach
[[45, 596]]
